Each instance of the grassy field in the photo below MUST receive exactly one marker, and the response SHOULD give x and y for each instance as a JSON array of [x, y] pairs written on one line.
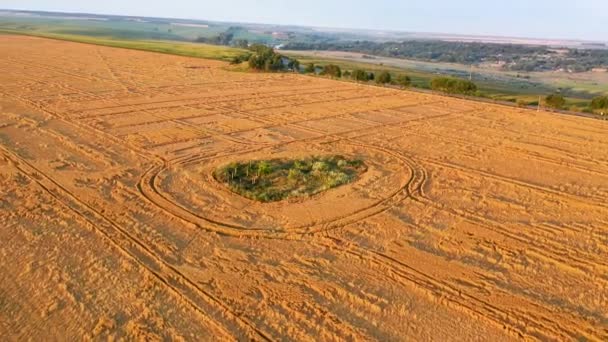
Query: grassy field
[[176, 48], [501, 86], [128, 28]]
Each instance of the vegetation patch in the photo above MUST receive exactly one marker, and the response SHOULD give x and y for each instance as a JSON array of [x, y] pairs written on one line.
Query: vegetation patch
[[264, 58], [278, 179], [452, 85]]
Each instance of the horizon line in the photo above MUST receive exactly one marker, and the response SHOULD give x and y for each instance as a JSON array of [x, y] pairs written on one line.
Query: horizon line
[[462, 35]]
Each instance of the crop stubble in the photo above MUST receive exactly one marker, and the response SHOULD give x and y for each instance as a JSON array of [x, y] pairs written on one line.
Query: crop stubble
[[473, 221]]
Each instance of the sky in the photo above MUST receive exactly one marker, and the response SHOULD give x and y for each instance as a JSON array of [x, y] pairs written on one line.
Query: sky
[[565, 19]]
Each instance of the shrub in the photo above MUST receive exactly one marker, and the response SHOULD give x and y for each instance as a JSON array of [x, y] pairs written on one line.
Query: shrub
[[241, 58], [360, 75], [384, 78], [294, 174], [310, 68], [453, 85], [265, 58], [335, 179], [403, 81], [264, 168], [555, 101], [320, 166], [332, 70], [600, 102]]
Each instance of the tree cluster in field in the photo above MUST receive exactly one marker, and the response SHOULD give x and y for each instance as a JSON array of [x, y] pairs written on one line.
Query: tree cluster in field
[[512, 56], [600, 104], [555, 101], [261, 57], [277, 179], [452, 85]]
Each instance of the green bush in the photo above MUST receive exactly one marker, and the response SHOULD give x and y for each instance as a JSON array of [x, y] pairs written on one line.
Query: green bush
[[241, 58], [384, 78], [360, 75], [555, 101], [600, 102], [320, 166], [264, 168], [403, 80], [265, 58], [332, 70], [310, 68], [453, 85]]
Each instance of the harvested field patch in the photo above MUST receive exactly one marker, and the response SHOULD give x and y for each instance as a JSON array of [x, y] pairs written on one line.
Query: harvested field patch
[[470, 221]]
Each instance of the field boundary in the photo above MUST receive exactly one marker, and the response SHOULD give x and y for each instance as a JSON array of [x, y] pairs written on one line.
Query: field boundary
[[124, 44], [114, 43]]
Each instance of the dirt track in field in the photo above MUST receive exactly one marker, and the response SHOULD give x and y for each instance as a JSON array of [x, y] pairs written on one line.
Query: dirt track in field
[[473, 221]]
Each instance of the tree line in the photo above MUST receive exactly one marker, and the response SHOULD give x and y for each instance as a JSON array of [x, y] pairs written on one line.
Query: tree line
[[513, 56], [264, 58], [359, 75], [557, 101]]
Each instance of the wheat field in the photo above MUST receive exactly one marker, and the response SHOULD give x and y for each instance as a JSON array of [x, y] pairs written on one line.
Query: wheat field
[[472, 221]]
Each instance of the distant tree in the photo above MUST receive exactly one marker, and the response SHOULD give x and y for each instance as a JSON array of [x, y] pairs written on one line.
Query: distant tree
[[241, 58], [294, 65], [241, 43], [371, 76], [310, 68], [360, 75], [453, 85], [224, 38], [515, 57], [265, 58], [600, 102], [466, 87], [332, 70], [403, 80], [347, 74], [555, 101], [383, 78]]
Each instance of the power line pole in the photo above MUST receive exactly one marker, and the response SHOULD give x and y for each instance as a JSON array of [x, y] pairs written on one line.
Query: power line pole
[[538, 103], [471, 73]]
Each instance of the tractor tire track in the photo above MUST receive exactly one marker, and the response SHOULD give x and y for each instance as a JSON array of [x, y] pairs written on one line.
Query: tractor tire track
[[185, 288]]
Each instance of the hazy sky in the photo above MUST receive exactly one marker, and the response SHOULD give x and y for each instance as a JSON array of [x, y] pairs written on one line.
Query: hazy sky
[[583, 19]]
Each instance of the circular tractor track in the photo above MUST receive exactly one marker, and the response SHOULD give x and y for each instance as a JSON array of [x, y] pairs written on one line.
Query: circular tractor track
[[150, 189]]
